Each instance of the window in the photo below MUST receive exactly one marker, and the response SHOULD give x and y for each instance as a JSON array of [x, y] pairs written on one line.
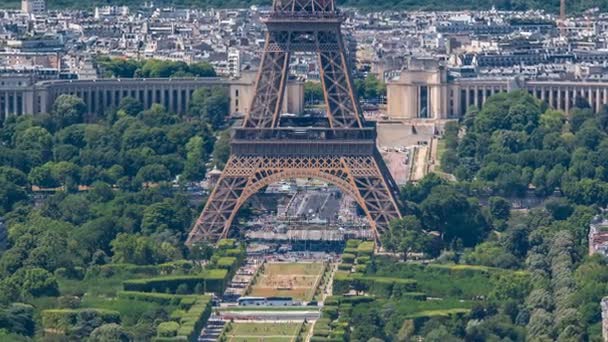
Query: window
[[423, 110]]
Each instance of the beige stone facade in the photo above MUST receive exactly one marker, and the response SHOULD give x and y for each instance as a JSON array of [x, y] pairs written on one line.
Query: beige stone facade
[[424, 91], [102, 94]]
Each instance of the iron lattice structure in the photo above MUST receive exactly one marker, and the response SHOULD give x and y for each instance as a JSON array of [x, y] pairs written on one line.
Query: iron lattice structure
[[263, 152]]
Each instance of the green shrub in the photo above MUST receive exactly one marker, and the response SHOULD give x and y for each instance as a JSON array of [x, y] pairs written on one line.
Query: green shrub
[[177, 266], [353, 243], [177, 314], [318, 339], [330, 312], [348, 258], [350, 251], [331, 301], [363, 260], [110, 270], [212, 281], [187, 302], [70, 273], [167, 329], [62, 320], [234, 252], [354, 300], [345, 267], [227, 263], [160, 298], [366, 248], [360, 268], [342, 282], [190, 322], [226, 244]]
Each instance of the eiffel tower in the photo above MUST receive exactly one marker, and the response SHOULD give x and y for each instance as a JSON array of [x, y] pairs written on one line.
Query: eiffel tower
[[340, 148]]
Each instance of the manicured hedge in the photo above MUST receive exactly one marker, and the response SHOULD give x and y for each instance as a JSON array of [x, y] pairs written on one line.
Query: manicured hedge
[[187, 302], [363, 260], [227, 263], [348, 258], [181, 266], [379, 286], [350, 251], [190, 323], [330, 312], [226, 244], [345, 267], [62, 320], [195, 318], [437, 313], [342, 282], [211, 281], [110, 270], [160, 298], [360, 268], [366, 248], [353, 243], [167, 329], [322, 328]]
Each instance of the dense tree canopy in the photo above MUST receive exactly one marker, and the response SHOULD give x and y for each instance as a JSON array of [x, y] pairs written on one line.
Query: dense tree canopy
[[129, 68]]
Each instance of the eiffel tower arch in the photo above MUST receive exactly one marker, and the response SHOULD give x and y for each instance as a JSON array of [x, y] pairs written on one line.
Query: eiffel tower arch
[[340, 150]]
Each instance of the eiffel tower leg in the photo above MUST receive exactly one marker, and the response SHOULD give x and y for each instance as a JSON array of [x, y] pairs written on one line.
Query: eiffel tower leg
[[342, 109], [375, 189], [270, 86], [224, 201]]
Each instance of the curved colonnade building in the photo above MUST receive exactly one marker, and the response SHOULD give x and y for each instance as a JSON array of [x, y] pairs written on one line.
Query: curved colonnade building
[[429, 92], [18, 95]]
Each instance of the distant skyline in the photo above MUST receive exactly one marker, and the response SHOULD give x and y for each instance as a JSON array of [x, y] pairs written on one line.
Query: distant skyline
[[432, 5]]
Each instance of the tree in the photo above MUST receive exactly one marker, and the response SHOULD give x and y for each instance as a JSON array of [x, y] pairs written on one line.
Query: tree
[[370, 88], [19, 319], [153, 173], [552, 120], [119, 67], [36, 282], [210, 104], [194, 168], [37, 142], [454, 215], [500, 208], [470, 116], [13, 175], [65, 173], [42, 176], [202, 69], [10, 194], [313, 92], [578, 116], [68, 110], [221, 150], [406, 235], [130, 106], [559, 208], [111, 332], [141, 250]]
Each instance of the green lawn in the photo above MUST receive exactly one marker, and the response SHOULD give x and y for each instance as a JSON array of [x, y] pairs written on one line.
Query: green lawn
[[432, 307], [102, 284], [130, 310], [297, 280], [440, 151], [276, 332], [445, 281]]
